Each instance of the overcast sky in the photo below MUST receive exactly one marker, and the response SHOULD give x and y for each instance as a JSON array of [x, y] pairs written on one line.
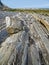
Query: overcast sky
[[27, 3]]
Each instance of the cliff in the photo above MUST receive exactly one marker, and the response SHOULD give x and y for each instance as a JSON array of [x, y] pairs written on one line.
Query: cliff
[[2, 6]]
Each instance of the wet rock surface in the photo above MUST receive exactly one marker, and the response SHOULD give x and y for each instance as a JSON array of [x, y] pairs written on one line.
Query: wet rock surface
[[23, 40]]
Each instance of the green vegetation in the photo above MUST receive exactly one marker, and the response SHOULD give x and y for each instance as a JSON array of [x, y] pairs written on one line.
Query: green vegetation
[[43, 11]]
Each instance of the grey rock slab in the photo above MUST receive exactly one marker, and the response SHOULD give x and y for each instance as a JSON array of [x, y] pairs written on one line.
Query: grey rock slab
[[14, 24]]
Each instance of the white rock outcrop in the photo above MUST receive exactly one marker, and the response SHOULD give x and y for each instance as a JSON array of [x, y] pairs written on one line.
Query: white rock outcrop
[[14, 24]]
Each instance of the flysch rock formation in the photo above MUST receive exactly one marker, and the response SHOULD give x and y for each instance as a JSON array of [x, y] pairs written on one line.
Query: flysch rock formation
[[26, 43], [14, 24]]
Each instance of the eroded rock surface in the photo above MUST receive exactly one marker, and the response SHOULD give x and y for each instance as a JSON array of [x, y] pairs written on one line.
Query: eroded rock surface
[[14, 24], [27, 43]]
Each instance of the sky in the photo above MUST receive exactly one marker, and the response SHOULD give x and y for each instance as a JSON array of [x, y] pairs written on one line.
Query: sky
[[26, 3]]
